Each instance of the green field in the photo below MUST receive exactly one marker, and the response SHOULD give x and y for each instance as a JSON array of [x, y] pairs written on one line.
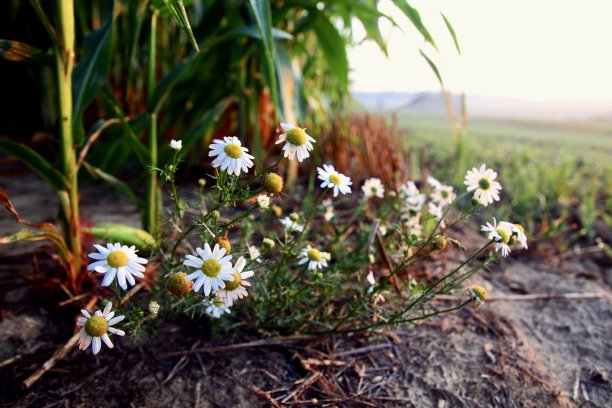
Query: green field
[[553, 172]]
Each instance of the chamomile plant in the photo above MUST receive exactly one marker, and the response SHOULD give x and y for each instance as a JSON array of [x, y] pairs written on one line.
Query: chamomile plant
[[335, 256]]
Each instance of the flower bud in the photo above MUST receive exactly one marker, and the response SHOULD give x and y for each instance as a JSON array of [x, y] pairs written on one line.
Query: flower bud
[[224, 243], [177, 285], [273, 183], [215, 215], [268, 244], [153, 308], [295, 217], [263, 201]]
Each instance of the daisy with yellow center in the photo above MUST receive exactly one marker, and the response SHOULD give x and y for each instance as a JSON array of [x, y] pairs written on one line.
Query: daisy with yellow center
[[482, 182], [315, 258], [236, 289], [118, 261], [518, 233], [214, 269], [443, 195], [501, 234], [291, 225], [297, 142], [216, 307], [332, 179], [373, 187], [95, 329], [231, 156]]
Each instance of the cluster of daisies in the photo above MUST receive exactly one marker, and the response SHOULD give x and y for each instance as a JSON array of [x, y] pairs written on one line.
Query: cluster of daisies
[[224, 281]]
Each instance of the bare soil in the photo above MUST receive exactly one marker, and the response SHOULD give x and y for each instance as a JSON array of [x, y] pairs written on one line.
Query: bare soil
[[517, 353]]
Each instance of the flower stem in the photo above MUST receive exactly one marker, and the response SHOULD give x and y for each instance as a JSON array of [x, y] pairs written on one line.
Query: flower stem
[[151, 215]]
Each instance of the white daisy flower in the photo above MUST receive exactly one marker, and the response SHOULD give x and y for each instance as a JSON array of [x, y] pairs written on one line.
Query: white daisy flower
[[436, 210], [501, 234], [236, 289], [482, 182], [94, 329], [119, 261], [518, 233], [315, 258], [263, 201], [176, 144], [415, 203], [409, 190], [373, 187], [329, 209], [216, 307], [443, 195], [297, 142], [213, 269], [332, 179], [231, 156], [291, 225], [433, 182]]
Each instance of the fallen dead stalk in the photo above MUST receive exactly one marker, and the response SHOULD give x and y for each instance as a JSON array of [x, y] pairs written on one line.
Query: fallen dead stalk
[[534, 296]]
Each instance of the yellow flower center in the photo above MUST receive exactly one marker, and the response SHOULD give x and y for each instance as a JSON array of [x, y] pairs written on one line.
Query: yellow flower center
[[233, 150], [484, 183], [96, 326], [211, 268], [479, 292], [218, 302], [177, 285], [314, 255], [296, 136], [117, 259], [505, 237], [273, 183], [231, 285], [335, 179], [444, 194]]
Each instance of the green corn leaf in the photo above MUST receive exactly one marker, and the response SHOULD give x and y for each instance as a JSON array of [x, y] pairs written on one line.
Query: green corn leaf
[[334, 48], [90, 73], [451, 30], [414, 16], [180, 15], [114, 182], [261, 13], [37, 163], [18, 52], [125, 234], [253, 32], [433, 67]]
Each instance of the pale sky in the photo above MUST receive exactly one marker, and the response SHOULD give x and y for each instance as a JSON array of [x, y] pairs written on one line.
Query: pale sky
[[527, 49]]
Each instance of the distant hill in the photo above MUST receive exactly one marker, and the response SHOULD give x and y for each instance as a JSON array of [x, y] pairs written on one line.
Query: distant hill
[[433, 102]]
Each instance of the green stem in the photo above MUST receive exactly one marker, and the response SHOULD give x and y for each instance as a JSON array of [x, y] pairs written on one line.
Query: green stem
[[151, 211], [64, 59]]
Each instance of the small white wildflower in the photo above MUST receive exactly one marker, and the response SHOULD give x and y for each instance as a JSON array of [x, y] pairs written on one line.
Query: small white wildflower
[[95, 329], [373, 187], [263, 201], [443, 195], [153, 308], [213, 269], [291, 225], [216, 307], [297, 142], [501, 234], [176, 144], [119, 261], [482, 182], [231, 156], [236, 289], [332, 179], [315, 258]]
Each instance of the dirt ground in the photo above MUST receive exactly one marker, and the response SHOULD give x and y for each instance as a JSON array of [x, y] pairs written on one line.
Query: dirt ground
[[544, 352]]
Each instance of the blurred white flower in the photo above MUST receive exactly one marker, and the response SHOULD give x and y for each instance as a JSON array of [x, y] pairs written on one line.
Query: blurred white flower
[[297, 142], [333, 179], [373, 187], [119, 261], [176, 144], [216, 307], [95, 329], [263, 201], [231, 156], [291, 225], [482, 182]]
